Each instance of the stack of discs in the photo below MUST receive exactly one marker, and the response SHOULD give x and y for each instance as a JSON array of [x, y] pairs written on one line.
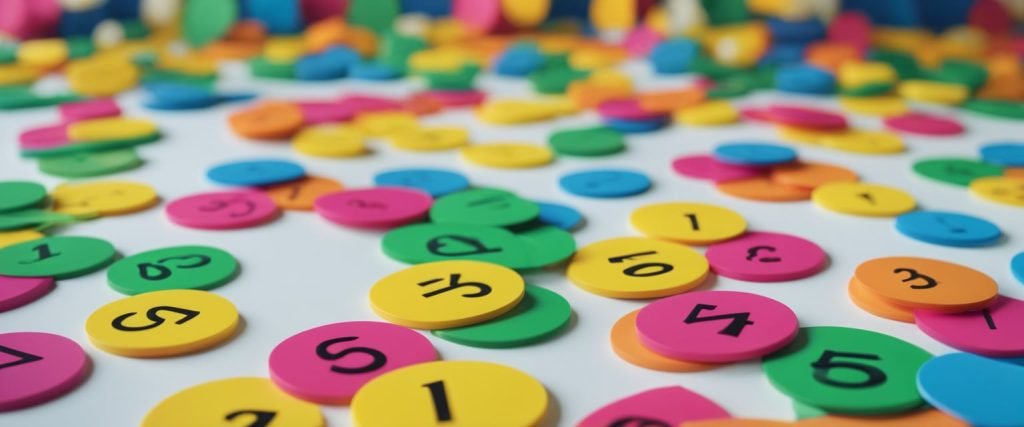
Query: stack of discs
[[628, 116], [824, 128]]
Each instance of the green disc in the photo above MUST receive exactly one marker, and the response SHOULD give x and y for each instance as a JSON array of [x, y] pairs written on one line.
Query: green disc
[[80, 47], [461, 79], [956, 171], [540, 315], [724, 12], [262, 67], [732, 86], [483, 206], [848, 371], [995, 107], [8, 53], [86, 164], [33, 218], [419, 243], [959, 71], [376, 15], [595, 141], [60, 257], [82, 147], [397, 48], [15, 195], [178, 267], [546, 245], [804, 411], [203, 21], [904, 63], [555, 79], [870, 89]]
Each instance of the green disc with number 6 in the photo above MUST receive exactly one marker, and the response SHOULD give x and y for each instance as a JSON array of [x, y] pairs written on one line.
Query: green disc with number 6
[[178, 267], [60, 257], [848, 371]]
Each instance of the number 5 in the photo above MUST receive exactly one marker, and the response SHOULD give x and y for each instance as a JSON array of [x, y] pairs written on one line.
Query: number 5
[[825, 364]]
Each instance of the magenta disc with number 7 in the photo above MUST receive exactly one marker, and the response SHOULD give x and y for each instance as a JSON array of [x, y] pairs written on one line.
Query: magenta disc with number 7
[[996, 331], [716, 326], [329, 363], [36, 367], [379, 207]]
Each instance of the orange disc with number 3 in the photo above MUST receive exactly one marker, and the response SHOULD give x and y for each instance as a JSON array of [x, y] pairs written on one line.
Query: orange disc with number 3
[[927, 284]]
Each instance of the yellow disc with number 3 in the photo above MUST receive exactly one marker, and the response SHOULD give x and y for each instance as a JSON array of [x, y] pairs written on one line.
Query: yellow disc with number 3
[[103, 198], [857, 198], [637, 268], [451, 394], [690, 223], [508, 155], [241, 401], [162, 323]]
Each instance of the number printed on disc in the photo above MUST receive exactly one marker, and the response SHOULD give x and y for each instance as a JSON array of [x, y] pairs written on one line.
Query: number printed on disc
[[60, 257], [36, 367], [178, 267], [162, 323], [691, 223], [927, 283], [637, 267], [250, 402]]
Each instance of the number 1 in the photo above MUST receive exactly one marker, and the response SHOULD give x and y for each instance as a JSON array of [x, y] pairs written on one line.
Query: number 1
[[43, 251], [440, 398], [693, 221]]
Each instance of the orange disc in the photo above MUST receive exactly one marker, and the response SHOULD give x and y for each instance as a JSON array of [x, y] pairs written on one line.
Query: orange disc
[[737, 422], [269, 120], [667, 101], [626, 344], [871, 303], [925, 418], [811, 175], [763, 189], [1014, 172], [299, 195], [927, 283]]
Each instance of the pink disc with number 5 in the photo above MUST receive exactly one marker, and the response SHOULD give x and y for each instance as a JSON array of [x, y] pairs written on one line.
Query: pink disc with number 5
[[766, 257], [378, 207], [223, 210], [716, 326], [996, 331], [329, 363], [36, 367]]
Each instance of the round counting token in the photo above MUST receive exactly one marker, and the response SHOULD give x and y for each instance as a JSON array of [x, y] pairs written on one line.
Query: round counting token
[[864, 142], [626, 344], [255, 172], [605, 183], [948, 228], [328, 364], [222, 210], [806, 117], [419, 243], [18, 291], [754, 154], [271, 120], [508, 155], [178, 267], [691, 223], [483, 206], [379, 207], [545, 246], [707, 167], [870, 302], [863, 199], [927, 283], [763, 189], [587, 142], [436, 182], [38, 367], [766, 257], [924, 124], [17, 195], [1004, 153], [465, 393], [1017, 267], [330, 141], [90, 163], [103, 198], [255, 401], [430, 139], [59, 257], [848, 371], [422, 296], [559, 215], [716, 326], [637, 268], [994, 331], [811, 175], [665, 406], [539, 316], [162, 323], [301, 194], [1005, 190], [975, 389], [956, 171]]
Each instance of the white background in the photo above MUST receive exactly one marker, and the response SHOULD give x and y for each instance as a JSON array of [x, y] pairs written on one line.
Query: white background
[[301, 271]]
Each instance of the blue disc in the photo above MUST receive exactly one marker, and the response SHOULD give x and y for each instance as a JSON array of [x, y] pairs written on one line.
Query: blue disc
[[374, 71], [436, 182], [948, 228], [805, 79], [333, 63], [255, 172], [975, 389], [1004, 153], [605, 183], [754, 154], [1016, 265], [636, 126], [178, 96], [560, 216], [673, 56]]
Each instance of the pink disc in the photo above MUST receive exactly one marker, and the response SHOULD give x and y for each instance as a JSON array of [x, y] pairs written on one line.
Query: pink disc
[[626, 109], [924, 124], [320, 112], [222, 210], [756, 114], [28, 19], [853, 28], [990, 16], [315, 10], [806, 117], [457, 98], [378, 207], [18, 291], [37, 367], [707, 167], [328, 364], [997, 331], [716, 326], [365, 103], [88, 109], [665, 406], [766, 257], [481, 15], [44, 138], [641, 40]]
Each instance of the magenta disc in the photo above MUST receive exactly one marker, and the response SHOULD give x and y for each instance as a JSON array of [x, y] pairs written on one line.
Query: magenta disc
[[766, 257], [708, 168], [18, 291], [37, 367]]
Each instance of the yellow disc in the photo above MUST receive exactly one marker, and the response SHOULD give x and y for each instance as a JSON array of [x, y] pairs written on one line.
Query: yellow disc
[[385, 123], [508, 155], [330, 141], [854, 74], [284, 49], [43, 53], [858, 198], [613, 14], [595, 58], [162, 323], [8, 238], [14, 74], [451, 394], [865, 142], [511, 111], [110, 129], [690, 223], [709, 113], [1000, 189], [431, 139], [103, 198], [243, 401], [101, 77], [805, 135], [525, 13], [874, 105], [934, 92], [446, 294], [637, 268]]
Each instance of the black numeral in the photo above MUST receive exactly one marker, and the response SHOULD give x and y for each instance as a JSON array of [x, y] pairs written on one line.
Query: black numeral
[[824, 364], [693, 221], [913, 275], [482, 288], [42, 252], [440, 397], [323, 351], [22, 356], [157, 271], [735, 327], [154, 315], [988, 319], [646, 269], [638, 422], [262, 418]]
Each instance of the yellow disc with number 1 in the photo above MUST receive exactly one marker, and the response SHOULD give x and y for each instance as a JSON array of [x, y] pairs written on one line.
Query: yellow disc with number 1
[[233, 402], [692, 223]]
